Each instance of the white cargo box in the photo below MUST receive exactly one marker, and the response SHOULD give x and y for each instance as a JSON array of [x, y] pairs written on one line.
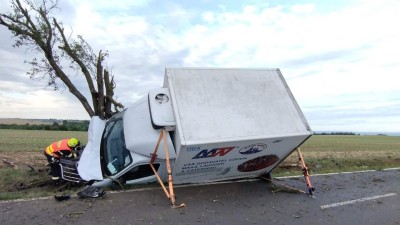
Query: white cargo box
[[232, 123]]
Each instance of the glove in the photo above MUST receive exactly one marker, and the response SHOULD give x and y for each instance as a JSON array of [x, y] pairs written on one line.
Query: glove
[[73, 155]]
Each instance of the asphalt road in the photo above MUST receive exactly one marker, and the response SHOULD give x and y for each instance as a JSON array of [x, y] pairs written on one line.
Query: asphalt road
[[356, 198]]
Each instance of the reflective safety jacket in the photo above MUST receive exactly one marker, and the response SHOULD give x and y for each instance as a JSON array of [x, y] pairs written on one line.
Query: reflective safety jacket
[[59, 148]]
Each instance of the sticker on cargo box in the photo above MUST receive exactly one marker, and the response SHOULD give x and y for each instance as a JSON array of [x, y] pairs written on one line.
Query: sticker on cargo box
[[213, 152], [196, 171], [193, 148], [252, 149], [258, 163], [214, 166]]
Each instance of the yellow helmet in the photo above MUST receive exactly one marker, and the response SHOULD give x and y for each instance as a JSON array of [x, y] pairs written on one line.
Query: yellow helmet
[[73, 142]]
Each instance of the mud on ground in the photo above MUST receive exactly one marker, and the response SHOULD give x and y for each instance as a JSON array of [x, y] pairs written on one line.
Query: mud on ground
[[22, 159]]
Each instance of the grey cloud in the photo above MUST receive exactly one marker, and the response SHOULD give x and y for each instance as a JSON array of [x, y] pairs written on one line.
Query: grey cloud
[[331, 115], [320, 57], [132, 69]]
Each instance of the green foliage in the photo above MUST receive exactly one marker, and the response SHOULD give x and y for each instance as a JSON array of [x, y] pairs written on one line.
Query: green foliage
[[65, 126], [335, 133]]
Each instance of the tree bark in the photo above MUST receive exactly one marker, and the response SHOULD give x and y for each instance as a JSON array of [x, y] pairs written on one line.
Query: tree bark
[[100, 87]]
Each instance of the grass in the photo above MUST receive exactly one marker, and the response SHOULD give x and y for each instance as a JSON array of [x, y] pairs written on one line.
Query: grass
[[34, 140], [13, 179], [24, 149], [322, 153], [25, 121], [343, 153]]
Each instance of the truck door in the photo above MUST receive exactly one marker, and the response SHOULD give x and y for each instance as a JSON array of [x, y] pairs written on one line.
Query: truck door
[[140, 174]]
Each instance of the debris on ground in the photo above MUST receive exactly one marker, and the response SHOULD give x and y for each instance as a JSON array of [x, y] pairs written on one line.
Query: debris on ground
[[74, 214], [22, 186], [377, 180], [289, 166], [8, 162], [91, 192], [61, 197], [275, 187]]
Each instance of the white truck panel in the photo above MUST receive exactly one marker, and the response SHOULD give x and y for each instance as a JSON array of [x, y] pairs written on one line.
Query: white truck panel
[[232, 123], [232, 160], [161, 110], [89, 167], [230, 104], [140, 136]]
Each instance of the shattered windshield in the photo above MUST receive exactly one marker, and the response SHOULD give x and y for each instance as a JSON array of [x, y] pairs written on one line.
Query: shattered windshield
[[114, 155]]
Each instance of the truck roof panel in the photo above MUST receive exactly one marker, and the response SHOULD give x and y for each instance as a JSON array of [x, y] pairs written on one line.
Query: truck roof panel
[[213, 105]]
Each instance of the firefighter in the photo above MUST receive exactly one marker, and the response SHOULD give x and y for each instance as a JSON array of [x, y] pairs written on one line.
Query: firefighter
[[64, 148]]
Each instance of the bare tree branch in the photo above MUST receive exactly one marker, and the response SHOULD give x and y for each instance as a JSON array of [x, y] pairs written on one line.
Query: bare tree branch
[[35, 27]]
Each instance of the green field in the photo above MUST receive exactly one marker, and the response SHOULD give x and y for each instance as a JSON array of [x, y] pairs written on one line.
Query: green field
[[34, 140], [322, 153], [341, 153], [22, 161]]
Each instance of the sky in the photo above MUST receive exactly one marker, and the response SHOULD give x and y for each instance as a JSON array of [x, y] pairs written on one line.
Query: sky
[[341, 59]]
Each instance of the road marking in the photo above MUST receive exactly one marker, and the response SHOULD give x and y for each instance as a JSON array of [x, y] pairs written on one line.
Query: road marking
[[357, 200], [338, 173]]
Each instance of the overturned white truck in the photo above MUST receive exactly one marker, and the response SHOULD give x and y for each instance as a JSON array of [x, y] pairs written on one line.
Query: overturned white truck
[[217, 124]]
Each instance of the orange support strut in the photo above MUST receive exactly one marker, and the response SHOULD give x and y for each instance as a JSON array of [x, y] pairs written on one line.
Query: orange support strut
[[170, 192], [306, 173]]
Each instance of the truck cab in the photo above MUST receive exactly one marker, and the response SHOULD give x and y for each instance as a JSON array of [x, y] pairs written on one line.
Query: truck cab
[[124, 148]]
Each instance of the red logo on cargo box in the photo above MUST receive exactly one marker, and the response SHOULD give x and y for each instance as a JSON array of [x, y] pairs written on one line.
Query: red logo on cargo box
[[258, 163]]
